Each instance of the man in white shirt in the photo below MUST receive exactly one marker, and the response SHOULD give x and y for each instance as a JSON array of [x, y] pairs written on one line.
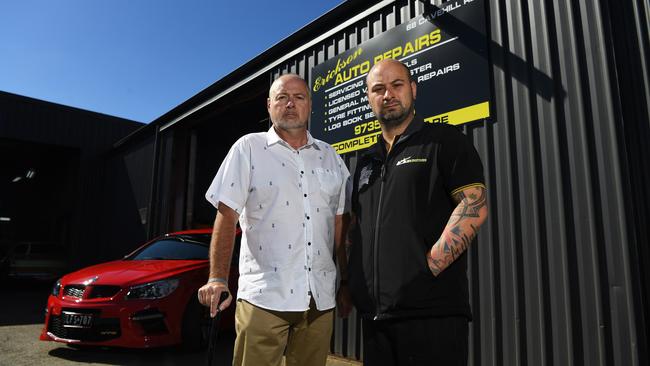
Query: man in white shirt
[[290, 193]]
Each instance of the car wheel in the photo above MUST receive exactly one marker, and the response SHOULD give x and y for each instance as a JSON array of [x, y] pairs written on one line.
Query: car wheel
[[196, 326]]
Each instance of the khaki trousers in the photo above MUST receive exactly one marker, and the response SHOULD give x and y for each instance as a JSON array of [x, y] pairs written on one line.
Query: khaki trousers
[[264, 336]]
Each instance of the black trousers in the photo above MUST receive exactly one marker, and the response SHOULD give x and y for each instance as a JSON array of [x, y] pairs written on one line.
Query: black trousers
[[422, 341]]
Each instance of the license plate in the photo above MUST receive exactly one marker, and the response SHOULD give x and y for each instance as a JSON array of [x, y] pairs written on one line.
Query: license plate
[[77, 320]]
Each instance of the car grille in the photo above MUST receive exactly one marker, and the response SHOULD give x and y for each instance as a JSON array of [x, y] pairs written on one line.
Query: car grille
[[74, 290], [103, 329], [102, 291]]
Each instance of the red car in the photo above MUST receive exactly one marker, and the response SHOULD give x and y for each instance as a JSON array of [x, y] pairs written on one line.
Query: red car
[[147, 299]]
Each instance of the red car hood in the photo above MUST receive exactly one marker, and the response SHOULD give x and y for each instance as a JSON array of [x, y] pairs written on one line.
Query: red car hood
[[128, 272]]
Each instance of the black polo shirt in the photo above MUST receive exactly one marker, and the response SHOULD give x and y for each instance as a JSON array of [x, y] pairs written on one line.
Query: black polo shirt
[[402, 202]]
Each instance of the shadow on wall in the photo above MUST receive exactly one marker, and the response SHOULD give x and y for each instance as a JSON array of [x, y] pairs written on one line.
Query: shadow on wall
[[125, 203], [522, 70]]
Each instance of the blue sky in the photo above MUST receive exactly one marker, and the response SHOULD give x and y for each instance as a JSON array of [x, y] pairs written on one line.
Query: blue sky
[[136, 59]]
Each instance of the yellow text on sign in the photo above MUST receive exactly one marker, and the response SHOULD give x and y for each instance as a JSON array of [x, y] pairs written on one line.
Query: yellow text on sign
[[367, 127], [356, 143], [462, 115]]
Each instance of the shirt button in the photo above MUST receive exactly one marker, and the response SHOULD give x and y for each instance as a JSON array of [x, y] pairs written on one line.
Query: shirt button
[[305, 195], [302, 172], [307, 217], [309, 269], [309, 243]]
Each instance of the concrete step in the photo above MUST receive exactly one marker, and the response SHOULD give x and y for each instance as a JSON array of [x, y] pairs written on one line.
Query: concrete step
[[333, 360]]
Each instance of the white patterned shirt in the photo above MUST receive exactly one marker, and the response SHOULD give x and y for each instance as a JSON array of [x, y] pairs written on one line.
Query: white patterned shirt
[[287, 200]]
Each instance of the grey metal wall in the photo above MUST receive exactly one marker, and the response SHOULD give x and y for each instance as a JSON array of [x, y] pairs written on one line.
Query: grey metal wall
[[559, 273]]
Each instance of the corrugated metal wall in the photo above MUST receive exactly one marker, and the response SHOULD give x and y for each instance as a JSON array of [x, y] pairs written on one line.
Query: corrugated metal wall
[[557, 276]]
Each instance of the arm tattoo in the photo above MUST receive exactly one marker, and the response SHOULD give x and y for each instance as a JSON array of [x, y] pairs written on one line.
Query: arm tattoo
[[469, 204], [461, 229]]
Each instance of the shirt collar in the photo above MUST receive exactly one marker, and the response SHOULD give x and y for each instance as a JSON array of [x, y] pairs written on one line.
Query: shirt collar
[[272, 138], [378, 150]]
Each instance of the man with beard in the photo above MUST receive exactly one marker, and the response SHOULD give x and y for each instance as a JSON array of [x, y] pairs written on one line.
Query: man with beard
[[418, 201], [290, 193]]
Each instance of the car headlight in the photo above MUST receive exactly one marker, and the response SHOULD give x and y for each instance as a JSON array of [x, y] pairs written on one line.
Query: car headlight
[[153, 290], [56, 289]]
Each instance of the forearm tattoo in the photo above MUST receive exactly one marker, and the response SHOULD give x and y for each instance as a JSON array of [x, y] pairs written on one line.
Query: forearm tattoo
[[461, 229]]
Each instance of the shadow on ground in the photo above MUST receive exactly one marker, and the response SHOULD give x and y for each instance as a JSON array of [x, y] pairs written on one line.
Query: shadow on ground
[[159, 356]]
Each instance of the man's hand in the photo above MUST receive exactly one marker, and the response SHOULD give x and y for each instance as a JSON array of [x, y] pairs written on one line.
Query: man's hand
[[209, 295], [221, 247], [343, 301]]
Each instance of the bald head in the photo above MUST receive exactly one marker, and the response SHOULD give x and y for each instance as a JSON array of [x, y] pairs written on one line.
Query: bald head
[[277, 83], [387, 62]]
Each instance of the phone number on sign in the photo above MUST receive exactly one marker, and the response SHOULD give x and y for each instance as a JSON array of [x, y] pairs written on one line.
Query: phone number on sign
[[366, 127]]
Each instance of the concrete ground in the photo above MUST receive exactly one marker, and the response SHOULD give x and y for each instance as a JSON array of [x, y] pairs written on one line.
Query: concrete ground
[[19, 345]]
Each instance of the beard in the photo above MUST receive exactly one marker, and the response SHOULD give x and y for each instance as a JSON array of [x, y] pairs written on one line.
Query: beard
[[286, 124], [395, 117]]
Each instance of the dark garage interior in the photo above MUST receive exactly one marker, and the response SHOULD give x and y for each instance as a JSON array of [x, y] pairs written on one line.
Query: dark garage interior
[[38, 184]]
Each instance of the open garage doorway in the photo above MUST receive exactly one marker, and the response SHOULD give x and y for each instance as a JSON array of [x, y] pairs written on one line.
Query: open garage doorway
[[212, 139], [38, 199]]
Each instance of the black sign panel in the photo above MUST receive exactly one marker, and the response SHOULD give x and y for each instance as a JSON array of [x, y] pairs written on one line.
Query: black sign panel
[[447, 56]]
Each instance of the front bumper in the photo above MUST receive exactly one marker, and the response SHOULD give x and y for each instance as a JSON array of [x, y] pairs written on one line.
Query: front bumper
[[126, 323]]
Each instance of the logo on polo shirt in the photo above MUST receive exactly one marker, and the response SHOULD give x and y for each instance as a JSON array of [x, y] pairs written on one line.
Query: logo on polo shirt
[[411, 160]]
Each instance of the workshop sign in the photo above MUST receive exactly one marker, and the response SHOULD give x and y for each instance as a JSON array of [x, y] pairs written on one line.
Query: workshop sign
[[447, 55]]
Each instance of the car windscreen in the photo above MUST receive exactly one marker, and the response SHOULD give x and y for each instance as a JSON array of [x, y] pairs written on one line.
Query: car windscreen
[[174, 248]]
